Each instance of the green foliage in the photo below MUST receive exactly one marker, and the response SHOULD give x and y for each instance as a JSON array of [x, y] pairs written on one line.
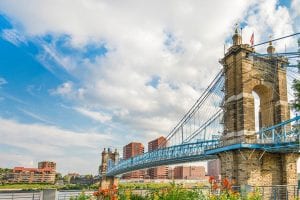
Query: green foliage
[[136, 197], [168, 192], [298, 52], [256, 195], [28, 186], [296, 87], [3, 173], [41, 186], [177, 192], [5, 170], [66, 179], [226, 195], [58, 176], [94, 186], [143, 185], [82, 196]]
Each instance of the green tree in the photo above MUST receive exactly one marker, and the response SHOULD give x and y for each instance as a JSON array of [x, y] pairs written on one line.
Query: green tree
[[67, 179], [58, 176], [298, 52], [296, 87], [3, 174]]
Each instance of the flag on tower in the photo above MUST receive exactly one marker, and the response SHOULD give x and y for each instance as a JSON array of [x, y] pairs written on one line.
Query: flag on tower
[[252, 39]]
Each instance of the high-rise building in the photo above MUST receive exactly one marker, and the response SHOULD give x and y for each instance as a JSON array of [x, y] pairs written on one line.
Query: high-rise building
[[130, 150], [214, 168], [160, 172], [189, 172], [171, 173]]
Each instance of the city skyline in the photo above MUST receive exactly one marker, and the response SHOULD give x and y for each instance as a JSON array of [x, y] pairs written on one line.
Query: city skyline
[[78, 76]]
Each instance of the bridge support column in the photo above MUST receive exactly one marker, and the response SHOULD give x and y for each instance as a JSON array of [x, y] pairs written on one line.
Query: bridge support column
[[289, 173], [108, 184], [263, 170], [265, 77]]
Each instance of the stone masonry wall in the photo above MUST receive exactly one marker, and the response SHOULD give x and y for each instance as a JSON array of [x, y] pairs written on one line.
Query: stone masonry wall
[[255, 168]]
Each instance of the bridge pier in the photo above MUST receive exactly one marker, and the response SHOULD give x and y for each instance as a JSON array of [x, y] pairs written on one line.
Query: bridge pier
[[260, 169], [265, 76], [108, 184]]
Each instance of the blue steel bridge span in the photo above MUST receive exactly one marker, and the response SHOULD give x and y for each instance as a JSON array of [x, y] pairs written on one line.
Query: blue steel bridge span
[[283, 137]]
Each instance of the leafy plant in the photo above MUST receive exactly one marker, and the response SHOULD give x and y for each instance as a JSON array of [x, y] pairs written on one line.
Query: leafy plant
[[82, 196], [296, 87]]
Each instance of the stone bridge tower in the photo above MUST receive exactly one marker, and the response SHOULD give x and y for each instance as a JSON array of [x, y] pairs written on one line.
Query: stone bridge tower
[[265, 76], [108, 157]]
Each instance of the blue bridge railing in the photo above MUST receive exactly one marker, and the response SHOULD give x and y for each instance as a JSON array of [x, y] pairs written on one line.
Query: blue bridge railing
[[282, 137], [188, 152]]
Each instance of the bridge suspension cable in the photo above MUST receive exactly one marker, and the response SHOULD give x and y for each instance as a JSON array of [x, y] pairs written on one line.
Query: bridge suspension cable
[[287, 36], [200, 115]]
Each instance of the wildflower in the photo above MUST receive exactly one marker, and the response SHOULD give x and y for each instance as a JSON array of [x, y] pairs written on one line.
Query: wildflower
[[211, 179], [104, 192], [96, 194], [215, 186], [226, 184]]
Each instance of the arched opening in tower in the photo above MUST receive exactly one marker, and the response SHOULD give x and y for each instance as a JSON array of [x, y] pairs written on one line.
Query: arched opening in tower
[[257, 111], [263, 106]]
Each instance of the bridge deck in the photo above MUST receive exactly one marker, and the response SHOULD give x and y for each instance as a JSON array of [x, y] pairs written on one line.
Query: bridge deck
[[272, 139]]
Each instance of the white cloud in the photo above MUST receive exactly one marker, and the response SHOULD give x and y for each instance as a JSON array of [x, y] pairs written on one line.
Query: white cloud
[[40, 142], [137, 35], [97, 116], [14, 160], [64, 89], [295, 5], [2, 82], [13, 36], [267, 18], [136, 43], [35, 116]]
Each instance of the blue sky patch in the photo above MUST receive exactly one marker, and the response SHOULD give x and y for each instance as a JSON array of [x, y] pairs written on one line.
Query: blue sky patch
[[154, 82]]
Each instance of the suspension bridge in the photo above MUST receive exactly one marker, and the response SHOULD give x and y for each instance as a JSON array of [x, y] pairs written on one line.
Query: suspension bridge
[[222, 123]]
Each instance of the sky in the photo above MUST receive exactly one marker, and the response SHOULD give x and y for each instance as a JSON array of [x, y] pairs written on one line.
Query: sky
[[80, 75]]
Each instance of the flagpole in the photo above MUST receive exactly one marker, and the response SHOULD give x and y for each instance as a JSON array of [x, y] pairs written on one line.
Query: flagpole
[[252, 39], [242, 34]]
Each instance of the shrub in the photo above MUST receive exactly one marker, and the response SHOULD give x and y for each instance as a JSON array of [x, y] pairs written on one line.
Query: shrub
[[82, 196]]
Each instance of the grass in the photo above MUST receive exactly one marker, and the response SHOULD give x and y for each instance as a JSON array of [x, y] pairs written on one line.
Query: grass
[[26, 186], [41, 186], [151, 186]]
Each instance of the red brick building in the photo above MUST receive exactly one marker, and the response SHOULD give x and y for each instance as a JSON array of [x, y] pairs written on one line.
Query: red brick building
[[160, 172], [45, 173], [47, 164], [171, 173], [130, 150], [214, 168], [189, 172]]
